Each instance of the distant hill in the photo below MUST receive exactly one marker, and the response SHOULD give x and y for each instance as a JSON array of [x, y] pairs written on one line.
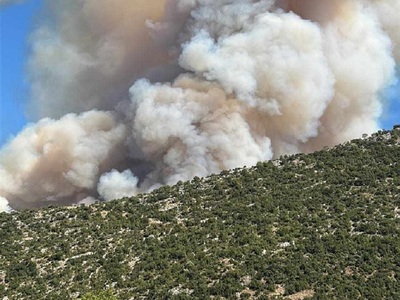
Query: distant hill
[[319, 226]]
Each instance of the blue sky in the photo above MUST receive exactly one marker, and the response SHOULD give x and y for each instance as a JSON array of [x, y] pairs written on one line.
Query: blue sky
[[16, 21]]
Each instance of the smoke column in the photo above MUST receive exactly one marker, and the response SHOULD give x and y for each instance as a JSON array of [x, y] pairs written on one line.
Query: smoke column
[[130, 95]]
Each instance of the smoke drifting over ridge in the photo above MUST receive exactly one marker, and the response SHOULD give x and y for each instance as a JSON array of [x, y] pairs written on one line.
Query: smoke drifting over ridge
[[131, 95]]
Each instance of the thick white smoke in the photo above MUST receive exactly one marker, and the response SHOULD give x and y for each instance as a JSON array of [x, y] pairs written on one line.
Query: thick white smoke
[[4, 207], [387, 13], [114, 185], [60, 160], [154, 92]]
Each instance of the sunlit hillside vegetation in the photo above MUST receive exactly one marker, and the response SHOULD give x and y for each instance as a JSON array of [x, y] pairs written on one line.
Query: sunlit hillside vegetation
[[319, 226]]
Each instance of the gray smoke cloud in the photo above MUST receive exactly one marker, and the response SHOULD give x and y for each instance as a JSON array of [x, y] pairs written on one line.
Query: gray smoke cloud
[[5, 2], [139, 94]]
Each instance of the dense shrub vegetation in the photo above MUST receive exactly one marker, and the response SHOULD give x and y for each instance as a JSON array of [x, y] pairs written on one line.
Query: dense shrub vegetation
[[322, 226]]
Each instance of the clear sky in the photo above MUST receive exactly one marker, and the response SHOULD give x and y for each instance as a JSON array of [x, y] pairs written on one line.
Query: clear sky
[[17, 21]]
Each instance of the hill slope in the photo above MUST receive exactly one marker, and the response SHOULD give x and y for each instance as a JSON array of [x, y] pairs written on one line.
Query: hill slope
[[321, 226]]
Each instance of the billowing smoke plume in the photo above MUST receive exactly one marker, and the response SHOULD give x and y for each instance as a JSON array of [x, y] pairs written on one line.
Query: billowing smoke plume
[[136, 94], [4, 207]]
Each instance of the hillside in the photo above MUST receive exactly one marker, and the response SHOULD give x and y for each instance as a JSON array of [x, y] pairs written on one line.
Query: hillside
[[319, 226]]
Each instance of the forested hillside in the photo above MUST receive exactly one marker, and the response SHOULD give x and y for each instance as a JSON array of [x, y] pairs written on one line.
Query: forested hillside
[[319, 226]]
